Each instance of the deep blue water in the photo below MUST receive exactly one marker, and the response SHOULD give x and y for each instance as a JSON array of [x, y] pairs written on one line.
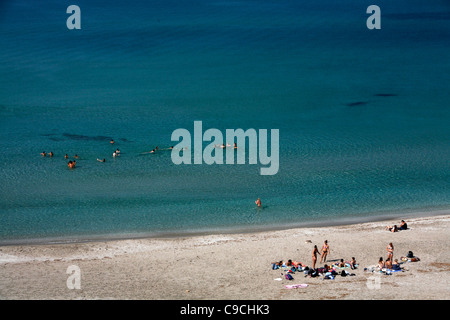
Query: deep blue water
[[363, 114]]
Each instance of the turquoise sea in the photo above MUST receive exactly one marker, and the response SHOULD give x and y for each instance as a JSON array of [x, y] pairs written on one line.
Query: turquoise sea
[[363, 115]]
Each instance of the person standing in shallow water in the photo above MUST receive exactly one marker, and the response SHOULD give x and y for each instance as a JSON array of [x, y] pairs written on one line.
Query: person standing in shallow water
[[258, 202], [325, 251]]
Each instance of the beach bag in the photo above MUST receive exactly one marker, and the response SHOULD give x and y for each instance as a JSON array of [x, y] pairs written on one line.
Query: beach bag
[[288, 276], [410, 254]]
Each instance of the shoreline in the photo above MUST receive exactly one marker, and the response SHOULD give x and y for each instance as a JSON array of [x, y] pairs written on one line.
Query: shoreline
[[233, 266], [344, 221]]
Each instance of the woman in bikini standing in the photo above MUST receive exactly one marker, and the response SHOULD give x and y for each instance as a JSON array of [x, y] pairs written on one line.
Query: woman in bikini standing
[[390, 250], [325, 250], [314, 256]]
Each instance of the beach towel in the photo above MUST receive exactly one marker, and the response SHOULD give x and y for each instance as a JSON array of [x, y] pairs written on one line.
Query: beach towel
[[295, 286], [341, 268], [371, 268]]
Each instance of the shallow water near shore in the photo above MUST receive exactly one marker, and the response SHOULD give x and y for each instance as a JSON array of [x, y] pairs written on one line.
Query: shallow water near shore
[[362, 115]]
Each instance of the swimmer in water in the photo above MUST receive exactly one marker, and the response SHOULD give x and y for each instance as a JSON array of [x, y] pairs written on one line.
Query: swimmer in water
[[112, 141], [66, 156], [43, 154], [51, 154], [99, 160], [235, 146], [258, 202], [76, 156]]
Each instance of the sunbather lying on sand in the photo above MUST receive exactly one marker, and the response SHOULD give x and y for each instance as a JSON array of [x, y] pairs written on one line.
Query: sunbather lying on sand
[[278, 264], [393, 228]]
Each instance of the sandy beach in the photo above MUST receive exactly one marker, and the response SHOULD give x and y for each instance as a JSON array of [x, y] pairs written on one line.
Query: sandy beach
[[233, 266]]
